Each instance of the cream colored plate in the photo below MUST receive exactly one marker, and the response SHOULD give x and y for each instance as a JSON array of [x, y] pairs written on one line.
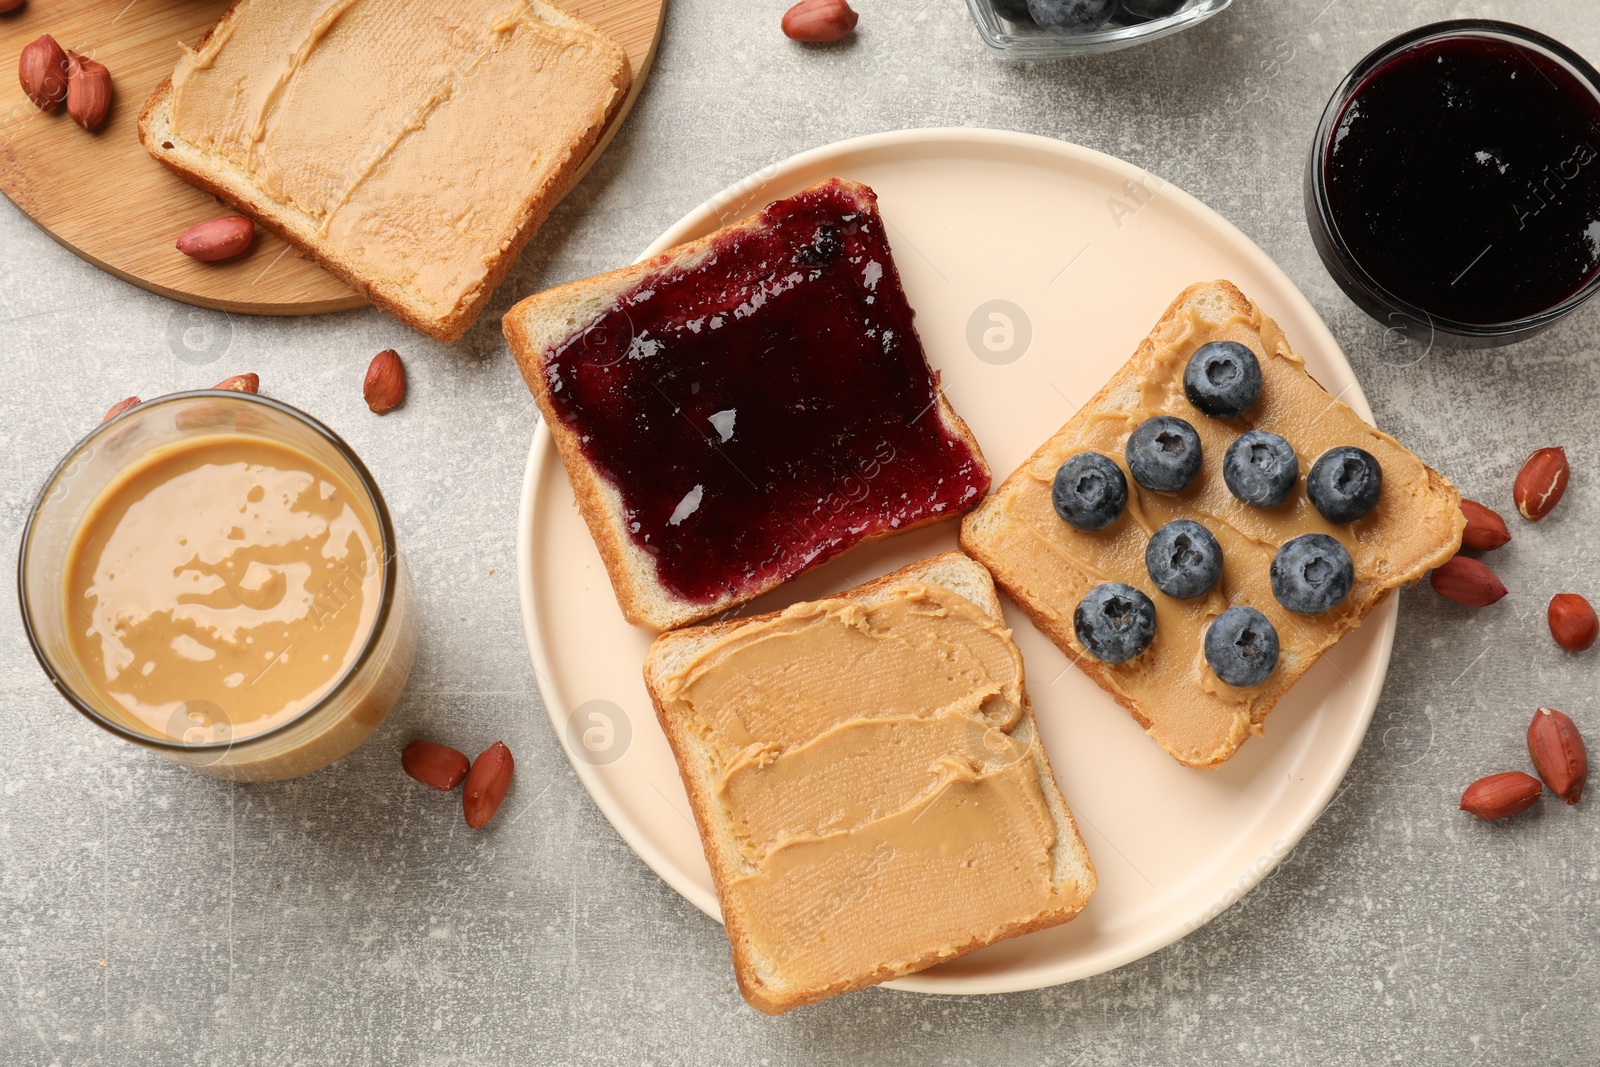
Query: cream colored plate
[[1091, 249]]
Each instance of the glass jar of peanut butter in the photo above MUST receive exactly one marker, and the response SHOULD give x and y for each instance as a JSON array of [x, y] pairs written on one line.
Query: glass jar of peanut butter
[[213, 575]]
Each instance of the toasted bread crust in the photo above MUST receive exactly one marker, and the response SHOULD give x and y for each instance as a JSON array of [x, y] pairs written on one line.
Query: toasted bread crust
[[643, 600], [705, 805], [1056, 623], [270, 214]]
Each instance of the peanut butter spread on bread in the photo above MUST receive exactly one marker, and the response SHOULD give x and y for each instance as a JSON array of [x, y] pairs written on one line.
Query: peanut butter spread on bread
[[414, 135], [1049, 566], [876, 773]]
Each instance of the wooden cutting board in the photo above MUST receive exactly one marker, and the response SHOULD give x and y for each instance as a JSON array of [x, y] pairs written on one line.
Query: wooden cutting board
[[102, 195]]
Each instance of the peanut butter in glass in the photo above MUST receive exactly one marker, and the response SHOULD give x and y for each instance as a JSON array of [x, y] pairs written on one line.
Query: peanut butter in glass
[[215, 578], [227, 578]]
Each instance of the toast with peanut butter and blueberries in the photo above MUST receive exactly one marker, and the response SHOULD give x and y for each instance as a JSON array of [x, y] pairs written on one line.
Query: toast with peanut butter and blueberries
[[1209, 525], [411, 149], [746, 406], [868, 782]]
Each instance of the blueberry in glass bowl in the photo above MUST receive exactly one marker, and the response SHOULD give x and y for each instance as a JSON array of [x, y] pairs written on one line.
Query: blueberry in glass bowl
[[1153, 9], [1012, 10], [1071, 16], [1053, 29]]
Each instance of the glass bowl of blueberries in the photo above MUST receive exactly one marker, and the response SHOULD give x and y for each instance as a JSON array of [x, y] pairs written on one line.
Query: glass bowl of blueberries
[[1051, 29]]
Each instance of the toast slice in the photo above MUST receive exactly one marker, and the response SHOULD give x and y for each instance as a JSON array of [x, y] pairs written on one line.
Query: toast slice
[[1048, 566], [745, 406], [410, 149], [868, 782]]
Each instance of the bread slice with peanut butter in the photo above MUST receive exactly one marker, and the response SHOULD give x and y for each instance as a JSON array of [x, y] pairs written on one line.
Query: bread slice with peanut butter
[[411, 149], [1047, 566], [868, 782]]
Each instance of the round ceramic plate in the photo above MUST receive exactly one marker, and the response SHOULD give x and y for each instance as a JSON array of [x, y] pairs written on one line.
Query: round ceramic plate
[[1036, 267]]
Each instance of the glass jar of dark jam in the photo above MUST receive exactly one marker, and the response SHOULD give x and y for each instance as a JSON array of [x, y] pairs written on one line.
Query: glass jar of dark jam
[[1454, 184]]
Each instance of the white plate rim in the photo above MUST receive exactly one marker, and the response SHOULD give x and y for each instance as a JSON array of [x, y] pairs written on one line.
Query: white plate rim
[[1382, 620]]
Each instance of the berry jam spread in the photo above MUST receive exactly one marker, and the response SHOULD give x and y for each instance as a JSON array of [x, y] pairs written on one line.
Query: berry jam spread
[[767, 405], [1464, 177]]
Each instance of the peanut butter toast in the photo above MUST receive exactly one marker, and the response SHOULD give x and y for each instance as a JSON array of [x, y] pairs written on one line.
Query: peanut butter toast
[[1049, 566], [411, 149], [868, 783]]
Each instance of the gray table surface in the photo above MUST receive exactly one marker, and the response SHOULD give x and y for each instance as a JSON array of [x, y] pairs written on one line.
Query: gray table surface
[[152, 916]]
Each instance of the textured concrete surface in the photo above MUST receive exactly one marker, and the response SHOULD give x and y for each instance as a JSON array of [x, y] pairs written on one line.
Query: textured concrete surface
[[150, 916]]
